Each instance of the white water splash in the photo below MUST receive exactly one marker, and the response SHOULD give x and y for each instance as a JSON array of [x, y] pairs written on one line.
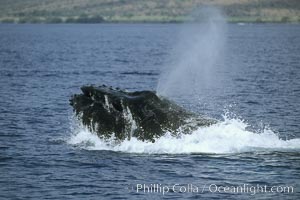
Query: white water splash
[[227, 136]]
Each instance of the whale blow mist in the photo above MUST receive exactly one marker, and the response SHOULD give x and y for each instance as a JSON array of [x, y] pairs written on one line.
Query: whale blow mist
[[192, 65]]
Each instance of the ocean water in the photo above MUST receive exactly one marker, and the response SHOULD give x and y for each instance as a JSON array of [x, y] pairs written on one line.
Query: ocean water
[[45, 153]]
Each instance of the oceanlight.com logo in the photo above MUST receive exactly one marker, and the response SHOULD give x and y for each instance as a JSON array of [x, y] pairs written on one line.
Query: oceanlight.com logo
[[211, 188]]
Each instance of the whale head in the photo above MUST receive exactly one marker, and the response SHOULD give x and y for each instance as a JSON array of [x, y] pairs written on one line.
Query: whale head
[[142, 114]]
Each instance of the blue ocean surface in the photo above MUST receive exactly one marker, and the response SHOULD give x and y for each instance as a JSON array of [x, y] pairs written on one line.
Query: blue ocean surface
[[254, 150]]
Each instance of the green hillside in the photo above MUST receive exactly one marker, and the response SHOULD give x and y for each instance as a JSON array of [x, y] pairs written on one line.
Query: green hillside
[[97, 11]]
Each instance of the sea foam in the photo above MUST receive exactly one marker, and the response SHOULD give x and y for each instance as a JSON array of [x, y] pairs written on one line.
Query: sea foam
[[227, 136]]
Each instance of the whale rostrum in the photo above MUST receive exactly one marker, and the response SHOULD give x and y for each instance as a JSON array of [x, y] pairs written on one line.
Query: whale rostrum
[[141, 114]]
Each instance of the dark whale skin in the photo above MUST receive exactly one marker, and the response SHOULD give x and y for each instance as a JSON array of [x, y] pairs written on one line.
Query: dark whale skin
[[141, 114]]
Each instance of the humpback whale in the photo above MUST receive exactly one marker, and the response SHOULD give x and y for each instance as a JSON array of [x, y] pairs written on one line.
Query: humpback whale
[[109, 112]]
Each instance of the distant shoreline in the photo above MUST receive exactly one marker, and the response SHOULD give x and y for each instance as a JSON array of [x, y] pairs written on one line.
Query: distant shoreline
[[146, 11], [74, 21]]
